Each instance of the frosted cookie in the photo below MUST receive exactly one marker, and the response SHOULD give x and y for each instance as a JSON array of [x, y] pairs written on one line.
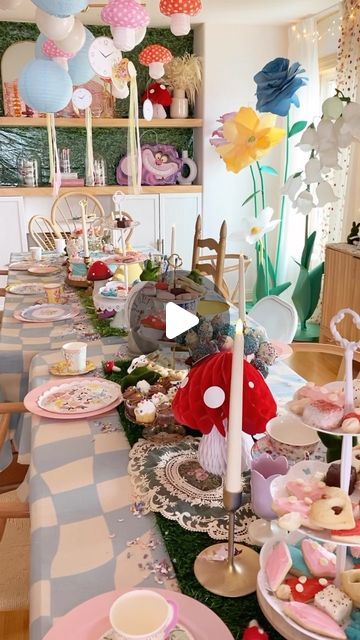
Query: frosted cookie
[[290, 521], [284, 505], [320, 562], [356, 458], [311, 618], [350, 584], [304, 588], [334, 602], [352, 536], [277, 565], [297, 406], [299, 567], [323, 415], [302, 489], [145, 412], [333, 510]]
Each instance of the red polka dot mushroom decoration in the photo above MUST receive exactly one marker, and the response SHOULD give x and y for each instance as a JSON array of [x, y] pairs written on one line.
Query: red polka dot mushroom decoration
[[155, 56], [128, 21], [202, 403], [180, 12], [51, 50], [159, 97]]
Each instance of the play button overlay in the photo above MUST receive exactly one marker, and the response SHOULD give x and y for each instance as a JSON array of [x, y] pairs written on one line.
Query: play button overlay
[[178, 320]]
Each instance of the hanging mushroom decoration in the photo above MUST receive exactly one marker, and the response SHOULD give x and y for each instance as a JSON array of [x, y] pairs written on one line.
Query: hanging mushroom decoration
[[155, 56], [180, 12], [128, 21], [51, 50], [159, 97], [202, 403]]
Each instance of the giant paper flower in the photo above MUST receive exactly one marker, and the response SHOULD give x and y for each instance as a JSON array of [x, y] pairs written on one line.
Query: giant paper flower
[[253, 229], [277, 84], [245, 137]]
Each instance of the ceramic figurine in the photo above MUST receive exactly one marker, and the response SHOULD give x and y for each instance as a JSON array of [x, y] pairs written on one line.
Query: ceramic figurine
[[354, 235]]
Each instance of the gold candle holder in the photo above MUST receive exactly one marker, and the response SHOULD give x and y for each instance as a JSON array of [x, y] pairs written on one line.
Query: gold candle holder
[[235, 576]]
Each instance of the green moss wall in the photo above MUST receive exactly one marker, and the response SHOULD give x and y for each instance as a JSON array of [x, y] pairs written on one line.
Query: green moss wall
[[111, 143]]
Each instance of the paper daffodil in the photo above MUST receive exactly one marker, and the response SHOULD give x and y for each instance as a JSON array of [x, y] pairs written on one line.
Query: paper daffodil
[[312, 171], [325, 194], [253, 229], [245, 137], [304, 203], [292, 187]]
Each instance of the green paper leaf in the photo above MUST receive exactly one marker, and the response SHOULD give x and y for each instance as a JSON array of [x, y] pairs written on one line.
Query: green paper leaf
[[315, 278], [250, 197], [308, 249], [271, 269], [264, 168], [301, 296], [275, 291], [297, 127], [260, 288]]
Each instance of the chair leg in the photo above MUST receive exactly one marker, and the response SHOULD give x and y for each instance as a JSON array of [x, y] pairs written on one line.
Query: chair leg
[[2, 527]]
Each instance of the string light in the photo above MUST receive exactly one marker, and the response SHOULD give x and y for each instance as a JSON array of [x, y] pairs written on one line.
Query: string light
[[333, 29]]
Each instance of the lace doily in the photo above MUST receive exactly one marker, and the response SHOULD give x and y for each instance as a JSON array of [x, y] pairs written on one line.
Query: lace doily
[[170, 481]]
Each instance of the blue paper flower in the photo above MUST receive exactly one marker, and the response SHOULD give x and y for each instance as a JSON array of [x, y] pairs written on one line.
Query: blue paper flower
[[277, 84]]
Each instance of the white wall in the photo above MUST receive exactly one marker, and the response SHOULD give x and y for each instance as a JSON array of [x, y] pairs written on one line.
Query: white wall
[[232, 55]]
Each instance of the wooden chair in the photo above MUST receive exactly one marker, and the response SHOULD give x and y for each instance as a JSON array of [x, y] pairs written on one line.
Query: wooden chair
[[43, 232], [316, 361], [66, 213], [213, 264]]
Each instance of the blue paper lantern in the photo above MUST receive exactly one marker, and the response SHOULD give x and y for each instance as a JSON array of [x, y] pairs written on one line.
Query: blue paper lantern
[[39, 54], [79, 67], [45, 86], [61, 8]]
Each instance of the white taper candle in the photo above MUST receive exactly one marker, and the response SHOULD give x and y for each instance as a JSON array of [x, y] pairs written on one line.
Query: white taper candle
[[233, 481], [242, 295]]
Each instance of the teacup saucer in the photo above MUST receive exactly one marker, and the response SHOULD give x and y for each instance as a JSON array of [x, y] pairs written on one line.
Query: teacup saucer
[[61, 369], [179, 633]]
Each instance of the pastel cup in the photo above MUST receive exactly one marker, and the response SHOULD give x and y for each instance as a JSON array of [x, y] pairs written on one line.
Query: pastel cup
[[289, 436], [75, 356], [143, 615], [60, 244], [53, 291], [36, 253]]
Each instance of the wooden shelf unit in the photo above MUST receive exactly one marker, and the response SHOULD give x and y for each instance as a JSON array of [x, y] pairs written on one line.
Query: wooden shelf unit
[[99, 191], [104, 123]]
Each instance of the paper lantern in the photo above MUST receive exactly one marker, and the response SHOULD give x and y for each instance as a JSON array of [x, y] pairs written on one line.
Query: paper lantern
[[79, 66], [39, 54], [155, 56], [75, 40], [52, 51], [61, 8], [180, 12], [128, 21], [45, 86], [53, 27]]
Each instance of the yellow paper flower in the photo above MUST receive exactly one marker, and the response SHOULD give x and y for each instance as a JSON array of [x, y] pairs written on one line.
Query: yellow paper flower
[[245, 137]]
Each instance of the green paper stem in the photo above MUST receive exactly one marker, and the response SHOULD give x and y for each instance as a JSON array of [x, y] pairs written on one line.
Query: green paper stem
[[265, 247], [282, 210], [256, 210]]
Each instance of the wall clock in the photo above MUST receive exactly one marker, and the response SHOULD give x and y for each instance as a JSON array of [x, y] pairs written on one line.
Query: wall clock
[[81, 98], [102, 55]]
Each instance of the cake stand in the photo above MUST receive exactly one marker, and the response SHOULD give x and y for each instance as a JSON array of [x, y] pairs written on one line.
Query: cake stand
[[289, 629]]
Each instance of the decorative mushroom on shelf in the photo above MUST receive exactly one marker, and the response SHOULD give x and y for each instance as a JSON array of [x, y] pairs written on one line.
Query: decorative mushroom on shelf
[[99, 272], [180, 12], [51, 50], [159, 97], [155, 56], [202, 403], [128, 21]]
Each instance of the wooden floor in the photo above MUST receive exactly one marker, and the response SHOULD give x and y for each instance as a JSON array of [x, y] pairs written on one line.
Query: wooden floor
[[319, 369]]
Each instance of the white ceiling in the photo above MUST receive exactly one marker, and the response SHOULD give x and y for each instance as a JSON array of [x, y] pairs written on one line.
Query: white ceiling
[[220, 11]]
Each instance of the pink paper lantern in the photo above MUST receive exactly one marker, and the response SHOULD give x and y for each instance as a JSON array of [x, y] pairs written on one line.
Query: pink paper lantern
[[128, 21], [180, 12], [51, 50]]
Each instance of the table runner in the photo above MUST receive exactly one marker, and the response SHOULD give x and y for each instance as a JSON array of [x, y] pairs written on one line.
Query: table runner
[[85, 527]]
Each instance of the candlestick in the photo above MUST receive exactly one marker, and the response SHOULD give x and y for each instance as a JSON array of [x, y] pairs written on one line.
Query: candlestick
[[234, 431], [123, 248], [173, 237], [83, 205], [242, 294]]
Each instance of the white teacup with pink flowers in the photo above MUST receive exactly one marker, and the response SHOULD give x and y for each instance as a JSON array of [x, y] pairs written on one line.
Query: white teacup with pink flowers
[[143, 614]]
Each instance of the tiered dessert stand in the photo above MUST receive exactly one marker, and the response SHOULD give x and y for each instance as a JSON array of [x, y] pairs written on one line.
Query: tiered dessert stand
[[284, 625]]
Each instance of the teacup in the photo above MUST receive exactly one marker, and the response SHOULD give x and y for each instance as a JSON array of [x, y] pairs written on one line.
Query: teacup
[[75, 356], [36, 253], [53, 291], [60, 245], [143, 615], [289, 436]]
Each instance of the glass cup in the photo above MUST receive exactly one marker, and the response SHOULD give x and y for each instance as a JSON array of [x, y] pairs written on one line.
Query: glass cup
[[158, 616], [75, 356], [54, 292], [60, 245], [36, 253]]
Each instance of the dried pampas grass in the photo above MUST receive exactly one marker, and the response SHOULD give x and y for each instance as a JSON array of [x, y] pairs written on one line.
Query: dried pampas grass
[[184, 73]]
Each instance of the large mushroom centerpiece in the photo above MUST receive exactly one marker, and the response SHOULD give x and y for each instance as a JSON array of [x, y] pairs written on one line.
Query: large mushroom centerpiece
[[155, 56], [202, 403], [128, 21]]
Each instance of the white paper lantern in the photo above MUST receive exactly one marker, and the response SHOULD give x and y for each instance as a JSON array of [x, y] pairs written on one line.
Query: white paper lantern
[[53, 27], [75, 40]]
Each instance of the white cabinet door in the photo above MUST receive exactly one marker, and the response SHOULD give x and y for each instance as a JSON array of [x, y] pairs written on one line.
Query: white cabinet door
[[181, 210], [12, 227], [144, 209]]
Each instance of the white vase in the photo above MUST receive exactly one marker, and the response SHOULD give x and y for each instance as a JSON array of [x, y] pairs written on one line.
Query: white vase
[[188, 169], [180, 105]]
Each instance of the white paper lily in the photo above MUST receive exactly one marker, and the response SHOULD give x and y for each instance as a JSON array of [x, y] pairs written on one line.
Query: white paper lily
[[351, 116], [312, 171], [292, 187], [343, 133], [304, 203], [308, 140], [253, 229], [326, 135], [325, 194], [329, 159]]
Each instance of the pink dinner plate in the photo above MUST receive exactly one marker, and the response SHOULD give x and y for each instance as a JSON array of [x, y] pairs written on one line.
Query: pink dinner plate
[[17, 315], [90, 620], [283, 349], [31, 404]]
